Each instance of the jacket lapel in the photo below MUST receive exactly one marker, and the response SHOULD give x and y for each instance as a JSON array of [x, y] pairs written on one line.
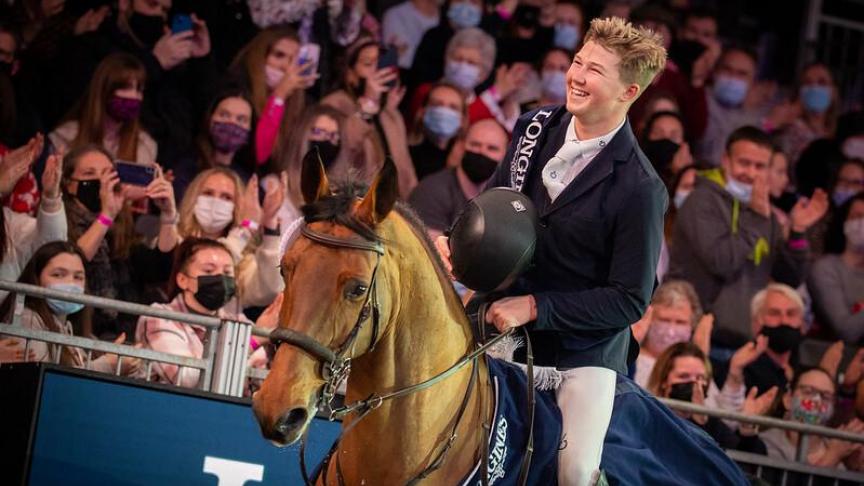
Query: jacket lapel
[[553, 142], [598, 169]]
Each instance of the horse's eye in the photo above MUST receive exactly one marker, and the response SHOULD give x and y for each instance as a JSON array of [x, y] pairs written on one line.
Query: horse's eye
[[355, 290]]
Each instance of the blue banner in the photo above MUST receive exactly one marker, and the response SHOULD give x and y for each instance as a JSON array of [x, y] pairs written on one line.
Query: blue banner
[[93, 432]]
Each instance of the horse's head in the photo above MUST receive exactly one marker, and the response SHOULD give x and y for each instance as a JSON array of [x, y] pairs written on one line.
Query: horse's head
[[330, 307]]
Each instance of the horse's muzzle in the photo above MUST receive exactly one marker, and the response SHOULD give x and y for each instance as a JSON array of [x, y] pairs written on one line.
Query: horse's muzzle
[[287, 429]]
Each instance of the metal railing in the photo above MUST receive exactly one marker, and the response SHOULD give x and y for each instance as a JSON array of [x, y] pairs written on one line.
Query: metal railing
[[222, 366], [225, 370]]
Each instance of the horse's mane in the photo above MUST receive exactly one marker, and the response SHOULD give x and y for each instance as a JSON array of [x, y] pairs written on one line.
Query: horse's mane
[[336, 208]]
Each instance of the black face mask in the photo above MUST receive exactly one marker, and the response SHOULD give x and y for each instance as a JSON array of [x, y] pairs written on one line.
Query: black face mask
[[88, 194], [660, 153], [684, 391], [478, 167], [328, 150], [782, 338], [6, 68], [214, 291], [147, 28]]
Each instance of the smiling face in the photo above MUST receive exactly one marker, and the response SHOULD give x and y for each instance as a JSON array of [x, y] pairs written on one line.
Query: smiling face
[[595, 89]]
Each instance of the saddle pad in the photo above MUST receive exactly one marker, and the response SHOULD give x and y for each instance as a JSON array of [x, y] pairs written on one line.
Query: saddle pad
[[509, 434]]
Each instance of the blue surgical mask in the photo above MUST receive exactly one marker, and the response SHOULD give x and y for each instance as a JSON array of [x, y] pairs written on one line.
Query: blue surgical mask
[[739, 190], [554, 84], [566, 36], [464, 15], [840, 196], [441, 121], [463, 74], [62, 307], [730, 91], [815, 98], [680, 197]]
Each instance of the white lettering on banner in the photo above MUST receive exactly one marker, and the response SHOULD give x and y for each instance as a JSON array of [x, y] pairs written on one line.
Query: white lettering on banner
[[498, 452], [525, 149], [233, 473]]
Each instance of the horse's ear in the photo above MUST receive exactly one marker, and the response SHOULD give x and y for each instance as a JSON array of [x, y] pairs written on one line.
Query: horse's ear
[[313, 178], [382, 194]]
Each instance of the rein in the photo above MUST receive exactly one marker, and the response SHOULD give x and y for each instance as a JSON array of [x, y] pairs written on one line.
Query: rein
[[336, 367]]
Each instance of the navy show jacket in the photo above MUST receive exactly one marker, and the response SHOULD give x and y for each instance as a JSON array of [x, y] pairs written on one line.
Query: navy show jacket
[[594, 267]]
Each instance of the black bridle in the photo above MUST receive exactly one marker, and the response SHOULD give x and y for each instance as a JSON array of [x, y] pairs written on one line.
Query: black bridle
[[336, 365]]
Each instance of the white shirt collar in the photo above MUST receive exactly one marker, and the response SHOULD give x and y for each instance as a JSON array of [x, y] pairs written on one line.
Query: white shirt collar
[[597, 143]]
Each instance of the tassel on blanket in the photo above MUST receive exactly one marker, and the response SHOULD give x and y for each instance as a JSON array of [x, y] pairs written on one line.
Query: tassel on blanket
[[545, 377]]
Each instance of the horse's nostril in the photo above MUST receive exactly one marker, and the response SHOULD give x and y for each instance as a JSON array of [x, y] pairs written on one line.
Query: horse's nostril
[[292, 420]]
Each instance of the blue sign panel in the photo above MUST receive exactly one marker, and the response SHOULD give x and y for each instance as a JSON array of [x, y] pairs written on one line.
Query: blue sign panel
[[92, 431]]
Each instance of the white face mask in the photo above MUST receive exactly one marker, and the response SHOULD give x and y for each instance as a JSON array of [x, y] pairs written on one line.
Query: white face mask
[[854, 231], [213, 214], [739, 190]]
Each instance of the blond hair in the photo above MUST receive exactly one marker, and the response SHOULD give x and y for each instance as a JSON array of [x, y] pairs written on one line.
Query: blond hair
[[674, 292], [189, 226], [641, 50]]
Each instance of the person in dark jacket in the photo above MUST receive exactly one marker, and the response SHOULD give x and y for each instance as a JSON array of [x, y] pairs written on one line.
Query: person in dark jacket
[[601, 207], [728, 244]]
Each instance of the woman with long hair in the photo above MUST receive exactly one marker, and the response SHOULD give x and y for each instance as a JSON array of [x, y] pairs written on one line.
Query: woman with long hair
[[108, 114], [217, 205], [375, 127], [100, 223], [59, 265], [224, 140], [270, 68], [321, 128]]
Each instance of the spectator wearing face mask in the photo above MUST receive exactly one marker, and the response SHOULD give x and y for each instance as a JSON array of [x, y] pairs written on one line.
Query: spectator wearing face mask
[[428, 64], [836, 281], [441, 196], [271, 70], [109, 114], [817, 103], [822, 165], [553, 73], [850, 135], [321, 130], [683, 373], [729, 245], [218, 206], [665, 144], [436, 128], [21, 234], [469, 60], [569, 25], [119, 262], [202, 282], [224, 140], [777, 314], [368, 97], [59, 265], [733, 78], [810, 399]]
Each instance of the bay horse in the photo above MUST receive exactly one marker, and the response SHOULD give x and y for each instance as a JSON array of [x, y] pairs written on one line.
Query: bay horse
[[420, 329], [365, 291]]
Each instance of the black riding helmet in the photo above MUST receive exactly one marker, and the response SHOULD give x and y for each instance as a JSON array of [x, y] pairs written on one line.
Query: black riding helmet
[[492, 241]]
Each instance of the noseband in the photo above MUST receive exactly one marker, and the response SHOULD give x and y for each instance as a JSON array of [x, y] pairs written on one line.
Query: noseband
[[335, 366]]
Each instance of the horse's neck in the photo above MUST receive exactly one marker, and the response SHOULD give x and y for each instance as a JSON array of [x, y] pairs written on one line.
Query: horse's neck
[[427, 333]]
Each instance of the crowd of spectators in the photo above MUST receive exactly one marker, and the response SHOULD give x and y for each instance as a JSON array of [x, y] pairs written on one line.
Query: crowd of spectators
[[218, 102]]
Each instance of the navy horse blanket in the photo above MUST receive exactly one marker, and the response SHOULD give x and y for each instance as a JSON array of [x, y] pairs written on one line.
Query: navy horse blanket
[[646, 442]]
